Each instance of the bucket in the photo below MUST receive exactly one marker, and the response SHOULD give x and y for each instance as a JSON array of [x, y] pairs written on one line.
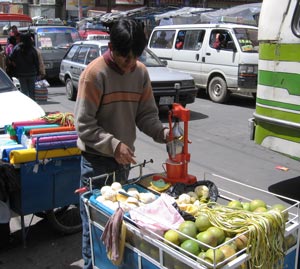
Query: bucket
[[174, 170]]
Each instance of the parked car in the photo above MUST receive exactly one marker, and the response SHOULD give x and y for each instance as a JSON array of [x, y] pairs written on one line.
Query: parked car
[[14, 105], [165, 81], [222, 58]]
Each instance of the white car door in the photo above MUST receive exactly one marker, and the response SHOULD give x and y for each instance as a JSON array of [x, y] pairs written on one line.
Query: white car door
[[223, 60], [187, 53]]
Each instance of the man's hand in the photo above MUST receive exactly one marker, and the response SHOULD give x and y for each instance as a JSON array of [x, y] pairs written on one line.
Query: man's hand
[[124, 155]]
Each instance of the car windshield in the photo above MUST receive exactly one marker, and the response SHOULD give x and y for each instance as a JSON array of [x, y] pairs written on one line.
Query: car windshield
[[149, 59], [56, 37], [247, 38]]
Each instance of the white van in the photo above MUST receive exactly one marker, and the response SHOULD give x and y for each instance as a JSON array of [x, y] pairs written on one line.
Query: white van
[[229, 66]]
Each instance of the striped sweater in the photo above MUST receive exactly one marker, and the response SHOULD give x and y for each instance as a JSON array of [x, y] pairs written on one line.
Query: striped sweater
[[111, 104]]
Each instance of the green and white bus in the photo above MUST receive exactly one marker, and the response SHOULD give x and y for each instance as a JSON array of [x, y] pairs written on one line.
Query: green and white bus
[[276, 122]]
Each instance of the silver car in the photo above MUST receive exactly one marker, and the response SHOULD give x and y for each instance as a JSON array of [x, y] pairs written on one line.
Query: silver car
[[167, 84]]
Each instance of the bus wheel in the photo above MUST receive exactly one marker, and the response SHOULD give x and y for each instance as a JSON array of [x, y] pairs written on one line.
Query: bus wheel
[[65, 219], [217, 90], [70, 90]]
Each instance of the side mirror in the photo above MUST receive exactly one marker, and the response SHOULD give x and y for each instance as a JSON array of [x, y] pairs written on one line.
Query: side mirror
[[165, 62]]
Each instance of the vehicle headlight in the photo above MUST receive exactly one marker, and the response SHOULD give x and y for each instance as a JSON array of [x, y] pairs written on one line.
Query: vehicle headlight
[[188, 83], [247, 69]]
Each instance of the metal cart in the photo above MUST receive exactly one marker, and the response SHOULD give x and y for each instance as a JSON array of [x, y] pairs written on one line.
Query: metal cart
[[148, 250], [47, 190]]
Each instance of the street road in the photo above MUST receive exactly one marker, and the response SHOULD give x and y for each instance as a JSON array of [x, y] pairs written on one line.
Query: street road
[[220, 144]]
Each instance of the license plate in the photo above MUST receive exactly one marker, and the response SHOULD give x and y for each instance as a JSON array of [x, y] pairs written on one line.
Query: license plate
[[166, 100]]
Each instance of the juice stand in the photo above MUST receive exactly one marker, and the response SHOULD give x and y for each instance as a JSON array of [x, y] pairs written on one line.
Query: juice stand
[[264, 238]]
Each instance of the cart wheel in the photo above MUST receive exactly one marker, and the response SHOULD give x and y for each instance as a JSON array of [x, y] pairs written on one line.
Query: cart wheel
[[65, 219]]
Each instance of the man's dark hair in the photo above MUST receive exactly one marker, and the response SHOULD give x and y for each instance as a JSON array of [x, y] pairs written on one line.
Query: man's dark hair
[[128, 36]]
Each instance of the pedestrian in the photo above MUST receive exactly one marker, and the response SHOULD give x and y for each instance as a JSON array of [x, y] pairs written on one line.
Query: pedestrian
[[11, 43], [26, 62], [15, 32], [219, 42], [114, 97]]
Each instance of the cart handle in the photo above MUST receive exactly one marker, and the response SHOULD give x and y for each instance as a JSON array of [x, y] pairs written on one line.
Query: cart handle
[[107, 175]]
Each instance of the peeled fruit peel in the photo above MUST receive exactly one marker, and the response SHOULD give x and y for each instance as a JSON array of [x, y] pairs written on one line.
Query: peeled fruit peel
[[202, 191]]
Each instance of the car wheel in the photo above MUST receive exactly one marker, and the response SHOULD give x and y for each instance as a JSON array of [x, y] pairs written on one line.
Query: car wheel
[[70, 90], [65, 219], [217, 90]]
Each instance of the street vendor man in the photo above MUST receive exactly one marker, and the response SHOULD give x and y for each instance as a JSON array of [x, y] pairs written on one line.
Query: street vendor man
[[114, 97]]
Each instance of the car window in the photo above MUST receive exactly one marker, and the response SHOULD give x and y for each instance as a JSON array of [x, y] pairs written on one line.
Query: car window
[[71, 52], [247, 39], [221, 40], [93, 53], [162, 39], [149, 59], [103, 49], [81, 54]]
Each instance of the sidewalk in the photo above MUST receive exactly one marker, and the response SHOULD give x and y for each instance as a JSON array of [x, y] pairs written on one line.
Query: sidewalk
[[45, 249]]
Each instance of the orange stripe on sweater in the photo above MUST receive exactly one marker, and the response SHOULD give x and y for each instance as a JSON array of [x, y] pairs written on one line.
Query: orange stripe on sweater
[[121, 97]]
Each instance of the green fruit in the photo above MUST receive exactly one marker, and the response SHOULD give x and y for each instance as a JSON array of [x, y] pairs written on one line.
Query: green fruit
[[290, 241], [154, 253], [215, 255], [172, 236], [231, 242], [218, 233], [202, 222], [260, 209], [189, 228], [202, 255], [282, 209], [235, 204], [257, 203], [190, 246], [207, 238], [246, 206]]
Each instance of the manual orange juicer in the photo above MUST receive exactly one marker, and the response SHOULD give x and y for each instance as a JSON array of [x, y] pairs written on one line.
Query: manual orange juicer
[[177, 147]]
